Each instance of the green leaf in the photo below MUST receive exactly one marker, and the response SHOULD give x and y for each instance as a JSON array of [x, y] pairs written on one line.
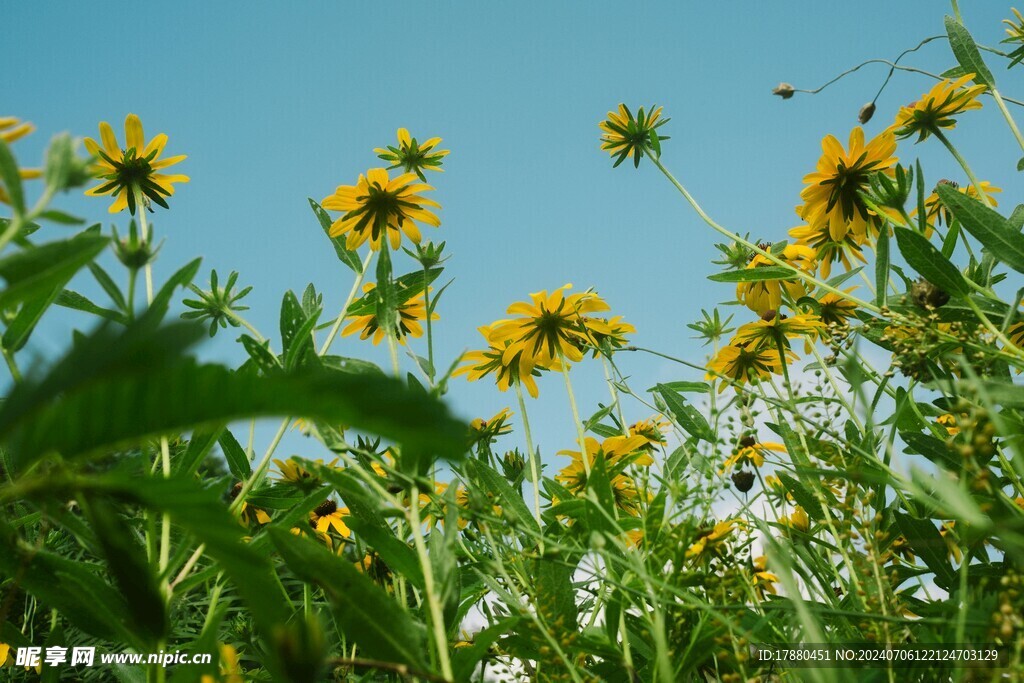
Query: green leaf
[[511, 500], [199, 446], [686, 416], [38, 270], [966, 52], [108, 285], [930, 447], [234, 454], [406, 287], [927, 260], [73, 300], [182, 278], [882, 267], [991, 229], [754, 274], [928, 544], [803, 497], [119, 388], [349, 258], [466, 660], [11, 178], [18, 331], [61, 218], [685, 387], [126, 562], [365, 613]]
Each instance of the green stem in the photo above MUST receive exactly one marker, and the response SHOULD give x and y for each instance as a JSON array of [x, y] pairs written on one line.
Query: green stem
[[430, 332], [801, 274], [564, 363], [531, 453], [393, 350], [963, 164], [348, 302], [434, 605], [1006, 115]]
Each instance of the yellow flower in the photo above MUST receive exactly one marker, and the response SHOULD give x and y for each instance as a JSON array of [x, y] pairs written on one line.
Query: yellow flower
[[11, 129], [773, 329], [624, 135], [937, 213], [948, 422], [606, 335], [937, 107], [5, 649], [294, 473], [764, 295], [711, 541], [618, 451], [837, 309], [551, 327], [377, 207], [230, 670], [744, 363], [128, 172], [763, 580], [652, 430], [326, 516], [948, 533], [797, 520], [519, 367], [828, 251], [751, 451], [248, 514], [410, 312], [1015, 35], [832, 195], [412, 156], [489, 429]]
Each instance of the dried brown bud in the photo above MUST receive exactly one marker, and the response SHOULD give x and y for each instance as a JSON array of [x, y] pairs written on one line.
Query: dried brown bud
[[743, 479], [866, 112], [768, 315], [927, 295], [783, 90]]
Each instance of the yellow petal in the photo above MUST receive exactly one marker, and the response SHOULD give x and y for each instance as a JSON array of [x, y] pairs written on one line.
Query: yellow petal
[[133, 133]]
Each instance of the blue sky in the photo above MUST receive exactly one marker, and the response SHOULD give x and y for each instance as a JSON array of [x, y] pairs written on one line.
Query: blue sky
[[277, 102]]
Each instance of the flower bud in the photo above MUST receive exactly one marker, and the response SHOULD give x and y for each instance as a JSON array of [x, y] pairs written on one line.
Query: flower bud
[[743, 480], [783, 90], [866, 112]]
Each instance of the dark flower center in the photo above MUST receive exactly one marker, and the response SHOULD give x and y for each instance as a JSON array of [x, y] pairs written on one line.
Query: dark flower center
[[328, 507]]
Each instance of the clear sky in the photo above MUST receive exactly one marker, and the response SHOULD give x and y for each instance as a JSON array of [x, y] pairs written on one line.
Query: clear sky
[[277, 102]]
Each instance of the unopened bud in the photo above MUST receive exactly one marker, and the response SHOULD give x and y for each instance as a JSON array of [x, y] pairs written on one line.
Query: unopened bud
[[783, 90], [743, 479], [866, 112]]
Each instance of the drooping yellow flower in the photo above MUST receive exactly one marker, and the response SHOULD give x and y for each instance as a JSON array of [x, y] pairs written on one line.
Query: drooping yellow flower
[[378, 207], [837, 309], [652, 429], [744, 363], [481, 429], [618, 452], [410, 313], [248, 514], [798, 520], [711, 541], [412, 156], [763, 580], [625, 135], [948, 533], [773, 329], [937, 213], [832, 193], [519, 367], [551, 327], [751, 451], [828, 251], [134, 170], [949, 423], [937, 107], [607, 335], [763, 295], [11, 129]]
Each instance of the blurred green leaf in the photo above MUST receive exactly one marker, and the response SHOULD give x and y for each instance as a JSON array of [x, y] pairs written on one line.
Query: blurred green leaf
[[882, 267], [37, 271], [928, 544], [11, 178], [363, 611]]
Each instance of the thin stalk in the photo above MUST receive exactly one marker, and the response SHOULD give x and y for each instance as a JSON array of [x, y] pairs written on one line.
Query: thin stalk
[[348, 302], [436, 619], [564, 363], [430, 332], [1006, 115], [12, 365], [963, 164], [801, 274], [531, 455]]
